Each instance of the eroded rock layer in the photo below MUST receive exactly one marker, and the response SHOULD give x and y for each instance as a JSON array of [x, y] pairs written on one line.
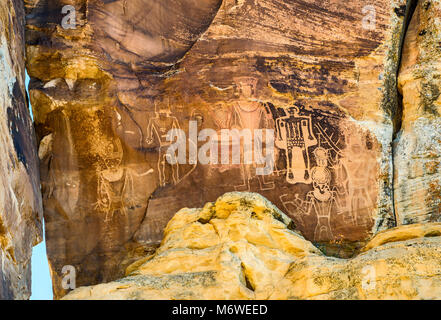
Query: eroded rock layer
[[20, 198], [418, 148], [242, 247], [111, 78]]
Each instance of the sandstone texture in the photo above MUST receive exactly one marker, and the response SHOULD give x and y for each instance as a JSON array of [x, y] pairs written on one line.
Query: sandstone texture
[[21, 210], [418, 144], [111, 78], [242, 247]]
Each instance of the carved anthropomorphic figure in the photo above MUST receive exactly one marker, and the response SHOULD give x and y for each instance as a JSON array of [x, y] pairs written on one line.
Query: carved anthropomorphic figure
[[322, 199], [222, 116], [359, 164], [116, 191], [157, 130], [294, 135], [248, 113], [115, 185]]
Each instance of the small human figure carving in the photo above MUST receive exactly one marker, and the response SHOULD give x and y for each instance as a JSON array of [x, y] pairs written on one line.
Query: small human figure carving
[[157, 129], [322, 199], [359, 165], [115, 189]]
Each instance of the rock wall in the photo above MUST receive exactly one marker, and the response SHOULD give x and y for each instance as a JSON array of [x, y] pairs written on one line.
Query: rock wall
[[111, 78], [417, 153], [21, 210], [242, 247]]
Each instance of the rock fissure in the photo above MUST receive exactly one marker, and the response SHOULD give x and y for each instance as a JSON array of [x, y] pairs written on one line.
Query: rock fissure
[[20, 200]]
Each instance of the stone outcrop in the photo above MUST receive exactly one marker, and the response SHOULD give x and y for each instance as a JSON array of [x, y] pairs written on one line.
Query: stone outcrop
[[111, 78], [242, 247], [21, 210], [417, 153]]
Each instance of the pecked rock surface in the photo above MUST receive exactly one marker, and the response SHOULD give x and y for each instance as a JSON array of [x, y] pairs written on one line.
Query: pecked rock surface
[[418, 152], [21, 210], [243, 247], [109, 85]]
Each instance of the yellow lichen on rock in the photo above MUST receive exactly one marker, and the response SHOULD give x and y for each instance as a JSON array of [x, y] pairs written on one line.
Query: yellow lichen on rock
[[403, 233], [399, 270], [241, 247]]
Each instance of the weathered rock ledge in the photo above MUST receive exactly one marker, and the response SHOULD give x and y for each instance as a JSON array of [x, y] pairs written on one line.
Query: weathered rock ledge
[[243, 247]]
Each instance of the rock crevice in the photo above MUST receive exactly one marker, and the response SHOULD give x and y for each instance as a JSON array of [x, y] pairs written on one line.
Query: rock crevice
[[21, 211], [416, 152]]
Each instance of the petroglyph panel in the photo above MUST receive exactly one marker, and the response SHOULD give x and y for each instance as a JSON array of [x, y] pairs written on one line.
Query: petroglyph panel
[[305, 88]]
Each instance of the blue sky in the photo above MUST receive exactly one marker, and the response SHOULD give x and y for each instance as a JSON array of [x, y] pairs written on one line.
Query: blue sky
[[41, 280]]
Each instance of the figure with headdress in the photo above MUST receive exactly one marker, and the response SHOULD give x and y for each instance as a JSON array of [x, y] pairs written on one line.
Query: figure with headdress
[[157, 130], [248, 113], [294, 135], [115, 190], [322, 200], [359, 164]]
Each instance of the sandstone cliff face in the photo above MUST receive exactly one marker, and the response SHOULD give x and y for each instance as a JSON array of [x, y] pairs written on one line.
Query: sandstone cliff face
[[242, 247], [108, 86], [20, 199], [417, 152]]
